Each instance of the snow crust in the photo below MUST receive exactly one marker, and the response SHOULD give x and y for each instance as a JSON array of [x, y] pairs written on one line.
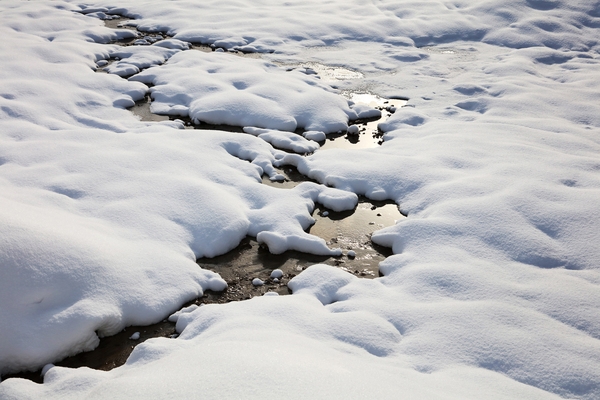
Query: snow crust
[[492, 291]]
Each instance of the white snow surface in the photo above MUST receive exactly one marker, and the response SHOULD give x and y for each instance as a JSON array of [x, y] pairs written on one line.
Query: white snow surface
[[284, 140], [222, 88], [493, 288], [132, 59]]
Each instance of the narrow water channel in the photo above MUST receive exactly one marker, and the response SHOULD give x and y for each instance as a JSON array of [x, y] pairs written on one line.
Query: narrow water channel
[[349, 230]]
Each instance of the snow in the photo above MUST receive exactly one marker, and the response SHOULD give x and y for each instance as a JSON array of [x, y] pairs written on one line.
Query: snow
[[284, 140], [276, 274], [257, 282], [175, 316], [363, 111], [133, 59], [232, 90], [353, 130], [492, 291], [317, 136], [135, 336]]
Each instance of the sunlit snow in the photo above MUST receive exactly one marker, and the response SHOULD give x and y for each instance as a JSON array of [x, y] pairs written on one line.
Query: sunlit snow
[[492, 290]]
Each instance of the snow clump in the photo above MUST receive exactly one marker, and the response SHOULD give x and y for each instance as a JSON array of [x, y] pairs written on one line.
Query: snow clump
[[276, 274], [232, 90]]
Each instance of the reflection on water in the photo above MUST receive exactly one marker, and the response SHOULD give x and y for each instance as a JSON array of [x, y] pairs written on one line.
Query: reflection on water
[[369, 136]]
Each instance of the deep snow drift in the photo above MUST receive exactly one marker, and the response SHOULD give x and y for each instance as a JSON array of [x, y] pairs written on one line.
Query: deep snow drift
[[493, 290]]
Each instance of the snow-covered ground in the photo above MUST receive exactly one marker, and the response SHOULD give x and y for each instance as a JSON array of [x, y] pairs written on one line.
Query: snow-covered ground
[[493, 290]]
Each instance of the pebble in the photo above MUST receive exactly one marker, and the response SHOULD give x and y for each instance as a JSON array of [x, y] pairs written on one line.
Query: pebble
[[135, 336], [276, 274], [351, 254], [257, 282], [325, 213]]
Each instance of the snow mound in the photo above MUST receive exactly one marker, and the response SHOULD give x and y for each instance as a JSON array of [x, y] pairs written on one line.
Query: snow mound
[[220, 88], [316, 136], [284, 140], [364, 111], [133, 59]]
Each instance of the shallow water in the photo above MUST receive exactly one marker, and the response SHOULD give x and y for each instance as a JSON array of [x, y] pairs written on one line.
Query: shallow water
[[369, 136]]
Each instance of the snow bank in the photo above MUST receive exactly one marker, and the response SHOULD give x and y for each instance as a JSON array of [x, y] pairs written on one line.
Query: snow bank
[[221, 88], [328, 346]]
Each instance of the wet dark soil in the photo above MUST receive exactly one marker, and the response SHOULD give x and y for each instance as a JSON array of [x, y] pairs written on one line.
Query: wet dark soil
[[112, 352]]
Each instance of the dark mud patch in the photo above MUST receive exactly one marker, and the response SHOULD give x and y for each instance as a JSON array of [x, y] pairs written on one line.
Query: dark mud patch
[[349, 230], [112, 352], [292, 178]]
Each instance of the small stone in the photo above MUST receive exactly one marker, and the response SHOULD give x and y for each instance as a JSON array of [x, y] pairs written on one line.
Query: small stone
[[257, 282], [325, 213], [351, 254], [276, 274], [135, 336]]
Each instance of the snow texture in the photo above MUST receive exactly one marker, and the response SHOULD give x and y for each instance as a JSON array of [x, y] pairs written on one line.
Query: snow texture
[[284, 140], [492, 291], [225, 89]]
